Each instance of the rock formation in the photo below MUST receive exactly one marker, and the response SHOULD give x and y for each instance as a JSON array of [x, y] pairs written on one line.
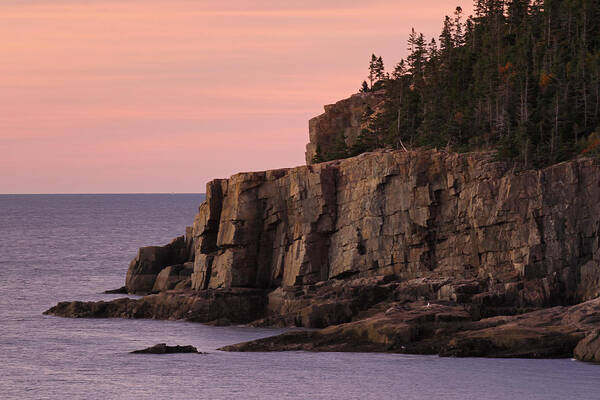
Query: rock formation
[[162, 348], [512, 240], [221, 307], [121, 290], [588, 349], [422, 251], [342, 122], [151, 262]]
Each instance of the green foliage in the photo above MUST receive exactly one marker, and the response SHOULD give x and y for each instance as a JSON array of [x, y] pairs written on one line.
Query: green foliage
[[520, 76]]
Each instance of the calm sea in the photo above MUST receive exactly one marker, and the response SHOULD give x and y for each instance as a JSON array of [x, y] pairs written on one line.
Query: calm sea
[[73, 247]]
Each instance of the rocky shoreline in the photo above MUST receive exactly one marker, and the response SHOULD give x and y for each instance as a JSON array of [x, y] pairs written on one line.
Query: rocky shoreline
[[409, 326], [422, 252]]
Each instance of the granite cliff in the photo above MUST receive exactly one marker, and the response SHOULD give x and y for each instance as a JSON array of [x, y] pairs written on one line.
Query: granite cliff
[[342, 122], [421, 251]]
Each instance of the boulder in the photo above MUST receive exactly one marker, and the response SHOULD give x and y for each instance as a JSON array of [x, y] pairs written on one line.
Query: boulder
[[171, 276], [588, 349], [150, 261]]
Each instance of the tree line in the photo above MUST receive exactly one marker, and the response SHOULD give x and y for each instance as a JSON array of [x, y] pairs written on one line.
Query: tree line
[[519, 76]]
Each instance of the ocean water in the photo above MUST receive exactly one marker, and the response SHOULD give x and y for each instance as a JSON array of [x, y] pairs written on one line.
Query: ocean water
[[73, 247]]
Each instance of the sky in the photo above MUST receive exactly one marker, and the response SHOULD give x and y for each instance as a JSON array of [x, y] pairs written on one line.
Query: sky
[[161, 96]]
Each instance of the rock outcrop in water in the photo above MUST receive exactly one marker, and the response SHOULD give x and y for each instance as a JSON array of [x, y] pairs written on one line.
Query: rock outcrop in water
[[222, 307], [162, 348], [422, 251]]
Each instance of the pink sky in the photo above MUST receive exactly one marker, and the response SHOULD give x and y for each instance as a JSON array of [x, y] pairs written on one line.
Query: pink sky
[[104, 96]]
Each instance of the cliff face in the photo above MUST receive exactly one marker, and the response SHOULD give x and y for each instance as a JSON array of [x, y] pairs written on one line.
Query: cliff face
[[421, 251], [529, 238]]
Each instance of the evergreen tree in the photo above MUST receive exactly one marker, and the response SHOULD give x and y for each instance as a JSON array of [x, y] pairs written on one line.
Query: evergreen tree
[[364, 87], [372, 70], [376, 72], [399, 70], [521, 76]]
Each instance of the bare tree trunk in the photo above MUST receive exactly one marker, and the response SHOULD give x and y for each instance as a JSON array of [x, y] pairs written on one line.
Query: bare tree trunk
[[399, 137], [554, 131]]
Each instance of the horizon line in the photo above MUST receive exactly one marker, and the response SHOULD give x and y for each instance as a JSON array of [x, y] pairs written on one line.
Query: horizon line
[[97, 193]]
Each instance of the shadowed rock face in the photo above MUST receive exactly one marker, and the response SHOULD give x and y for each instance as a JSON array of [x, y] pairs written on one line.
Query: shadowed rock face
[[172, 276], [341, 122], [151, 261]]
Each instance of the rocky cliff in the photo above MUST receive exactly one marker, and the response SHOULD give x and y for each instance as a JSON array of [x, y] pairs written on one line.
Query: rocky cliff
[[341, 122], [528, 239], [422, 251]]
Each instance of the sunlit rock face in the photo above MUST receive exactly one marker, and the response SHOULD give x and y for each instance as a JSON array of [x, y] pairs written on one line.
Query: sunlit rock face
[[588, 349], [529, 238]]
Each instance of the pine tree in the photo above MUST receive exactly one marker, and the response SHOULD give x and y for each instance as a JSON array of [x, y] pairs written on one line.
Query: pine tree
[[446, 38], [399, 70], [380, 70], [458, 27], [520, 76], [372, 71], [364, 87]]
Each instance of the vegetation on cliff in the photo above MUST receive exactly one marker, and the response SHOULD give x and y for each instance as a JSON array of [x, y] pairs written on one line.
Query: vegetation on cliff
[[520, 76]]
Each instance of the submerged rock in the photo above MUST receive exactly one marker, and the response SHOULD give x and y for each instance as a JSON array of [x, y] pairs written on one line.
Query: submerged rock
[[162, 348]]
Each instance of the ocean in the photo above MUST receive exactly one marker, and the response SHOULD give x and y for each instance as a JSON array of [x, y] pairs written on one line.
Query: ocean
[[73, 247]]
